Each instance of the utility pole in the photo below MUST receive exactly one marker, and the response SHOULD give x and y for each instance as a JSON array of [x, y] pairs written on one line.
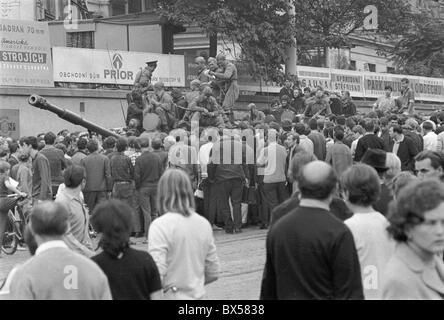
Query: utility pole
[[292, 56]]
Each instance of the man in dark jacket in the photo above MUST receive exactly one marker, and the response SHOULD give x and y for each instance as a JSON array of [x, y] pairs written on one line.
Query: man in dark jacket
[[318, 139], [348, 107], [368, 141], [310, 253], [98, 176], [411, 132], [385, 134], [41, 170], [147, 172], [57, 161], [403, 147], [135, 109], [229, 175]]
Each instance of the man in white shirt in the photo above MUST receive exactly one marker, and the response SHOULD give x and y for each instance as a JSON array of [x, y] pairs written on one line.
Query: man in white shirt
[[430, 137], [304, 142], [274, 158]]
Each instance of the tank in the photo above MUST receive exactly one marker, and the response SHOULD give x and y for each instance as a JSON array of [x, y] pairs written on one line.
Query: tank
[[40, 102]]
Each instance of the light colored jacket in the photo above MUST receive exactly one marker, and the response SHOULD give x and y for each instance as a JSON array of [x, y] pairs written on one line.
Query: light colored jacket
[[57, 273], [185, 254], [406, 277], [440, 145]]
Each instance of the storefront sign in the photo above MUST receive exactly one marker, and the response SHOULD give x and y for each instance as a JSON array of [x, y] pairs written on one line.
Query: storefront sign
[[25, 54], [115, 67]]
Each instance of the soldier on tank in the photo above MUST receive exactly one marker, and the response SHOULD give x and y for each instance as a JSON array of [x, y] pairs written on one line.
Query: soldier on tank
[[205, 110], [162, 104], [143, 77]]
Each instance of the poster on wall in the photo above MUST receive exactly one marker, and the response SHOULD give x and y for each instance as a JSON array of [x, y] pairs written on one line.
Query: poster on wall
[[25, 54], [9, 123], [115, 67]]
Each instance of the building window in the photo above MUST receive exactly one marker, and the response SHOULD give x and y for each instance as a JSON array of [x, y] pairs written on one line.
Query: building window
[[390, 70], [352, 65], [150, 4], [372, 67], [134, 6], [80, 39], [118, 7]]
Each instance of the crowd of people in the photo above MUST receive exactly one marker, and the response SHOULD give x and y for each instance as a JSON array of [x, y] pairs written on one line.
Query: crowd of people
[[353, 202]]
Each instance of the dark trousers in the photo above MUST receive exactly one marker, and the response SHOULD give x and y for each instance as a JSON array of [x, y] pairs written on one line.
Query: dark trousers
[[6, 204], [124, 191], [93, 198], [226, 190], [210, 205], [147, 205], [273, 195]]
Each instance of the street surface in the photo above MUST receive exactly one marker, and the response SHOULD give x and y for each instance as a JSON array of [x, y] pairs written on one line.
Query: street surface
[[241, 255]]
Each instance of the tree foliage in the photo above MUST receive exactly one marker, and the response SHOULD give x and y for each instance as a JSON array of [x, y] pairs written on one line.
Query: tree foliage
[[262, 28], [421, 50], [330, 23]]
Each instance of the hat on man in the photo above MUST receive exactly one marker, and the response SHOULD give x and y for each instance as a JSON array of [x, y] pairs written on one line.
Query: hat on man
[[152, 63], [375, 158]]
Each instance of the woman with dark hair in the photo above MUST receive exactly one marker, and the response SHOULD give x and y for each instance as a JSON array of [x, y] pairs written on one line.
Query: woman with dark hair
[[361, 187], [181, 241], [416, 271], [132, 274]]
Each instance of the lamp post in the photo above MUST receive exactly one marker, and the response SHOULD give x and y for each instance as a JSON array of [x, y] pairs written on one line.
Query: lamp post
[[292, 57]]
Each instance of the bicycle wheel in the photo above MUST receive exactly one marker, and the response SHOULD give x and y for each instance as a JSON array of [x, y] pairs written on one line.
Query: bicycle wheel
[[10, 241]]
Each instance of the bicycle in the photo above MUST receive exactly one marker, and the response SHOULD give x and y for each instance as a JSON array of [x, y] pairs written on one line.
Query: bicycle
[[14, 234]]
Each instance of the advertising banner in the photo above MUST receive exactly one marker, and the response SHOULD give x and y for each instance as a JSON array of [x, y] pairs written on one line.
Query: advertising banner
[[25, 54], [344, 80], [115, 67], [312, 77], [427, 89]]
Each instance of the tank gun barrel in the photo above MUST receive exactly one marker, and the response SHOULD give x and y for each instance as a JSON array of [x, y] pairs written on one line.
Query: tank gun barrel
[[40, 102]]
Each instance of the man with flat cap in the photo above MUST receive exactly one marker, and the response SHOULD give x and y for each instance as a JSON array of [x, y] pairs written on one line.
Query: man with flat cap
[[143, 77], [311, 254]]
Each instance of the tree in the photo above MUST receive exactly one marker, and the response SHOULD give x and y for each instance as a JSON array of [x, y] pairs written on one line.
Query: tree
[[330, 23], [262, 28], [421, 50]]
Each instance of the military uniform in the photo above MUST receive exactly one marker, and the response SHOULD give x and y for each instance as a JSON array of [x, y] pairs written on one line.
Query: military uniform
[[143, 80], [206, 111], [165, 110], [230, 86]]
